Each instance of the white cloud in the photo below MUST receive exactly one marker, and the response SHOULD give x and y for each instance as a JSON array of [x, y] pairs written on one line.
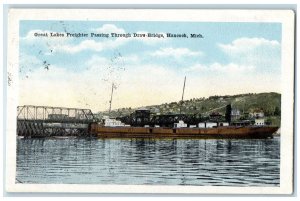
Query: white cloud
[[109, 28], [84, 45], [264, 54], [230, 68], [96, 61], [131, 59], [102, 45], [92, 45], [108, 43], [245, 45], [176, 52], [117, 60]]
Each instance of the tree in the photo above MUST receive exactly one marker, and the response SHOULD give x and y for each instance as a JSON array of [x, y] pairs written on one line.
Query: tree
[[277, 111]]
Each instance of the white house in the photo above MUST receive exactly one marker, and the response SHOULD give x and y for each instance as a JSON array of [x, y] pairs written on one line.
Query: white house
[[257, 114], [259, 122], [180, 124]]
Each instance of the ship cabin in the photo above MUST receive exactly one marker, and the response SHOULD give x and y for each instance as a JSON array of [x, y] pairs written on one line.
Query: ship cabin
[[223, 124], [215, 116], [241, 123], [180, 124], [142, 117], [167, 120], [207, 124], [112, 122]]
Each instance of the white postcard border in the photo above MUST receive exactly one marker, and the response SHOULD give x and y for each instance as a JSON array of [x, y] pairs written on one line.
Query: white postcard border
[[286, 17]]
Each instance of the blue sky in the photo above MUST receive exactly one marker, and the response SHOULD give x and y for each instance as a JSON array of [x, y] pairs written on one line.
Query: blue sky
[[231, 58]]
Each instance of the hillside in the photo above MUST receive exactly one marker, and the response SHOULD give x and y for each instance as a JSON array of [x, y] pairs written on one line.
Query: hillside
[[268, 102]]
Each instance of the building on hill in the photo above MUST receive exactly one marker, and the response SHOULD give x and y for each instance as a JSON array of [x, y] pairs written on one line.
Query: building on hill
[[259, 122], [215, 116], [235, 114], [257, 113], [156, 110]]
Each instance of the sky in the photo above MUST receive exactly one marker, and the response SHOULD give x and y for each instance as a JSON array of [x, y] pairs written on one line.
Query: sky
[[230, 58]]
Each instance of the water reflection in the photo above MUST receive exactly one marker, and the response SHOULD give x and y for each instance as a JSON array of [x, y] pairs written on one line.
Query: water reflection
[[209, 162]]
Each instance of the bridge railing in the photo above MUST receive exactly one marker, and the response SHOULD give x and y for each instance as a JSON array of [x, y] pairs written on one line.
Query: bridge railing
[[54, 114]]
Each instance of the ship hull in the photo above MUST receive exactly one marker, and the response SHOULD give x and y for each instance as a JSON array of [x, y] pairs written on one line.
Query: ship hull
[[153, 132]]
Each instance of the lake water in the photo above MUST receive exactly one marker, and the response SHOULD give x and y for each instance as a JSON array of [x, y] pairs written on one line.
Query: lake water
[[202, 162]]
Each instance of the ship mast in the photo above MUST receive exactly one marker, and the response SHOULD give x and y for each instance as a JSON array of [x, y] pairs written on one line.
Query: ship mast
[[111, 95], [182, 94]]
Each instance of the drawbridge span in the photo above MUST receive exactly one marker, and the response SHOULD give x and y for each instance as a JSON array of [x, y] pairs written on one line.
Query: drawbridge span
[[46, 121]]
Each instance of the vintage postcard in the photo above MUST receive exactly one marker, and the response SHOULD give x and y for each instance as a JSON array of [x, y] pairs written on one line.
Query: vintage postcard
[[150, 101]]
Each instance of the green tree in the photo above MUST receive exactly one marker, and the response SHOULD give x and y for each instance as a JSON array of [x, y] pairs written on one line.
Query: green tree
[[277, 111]]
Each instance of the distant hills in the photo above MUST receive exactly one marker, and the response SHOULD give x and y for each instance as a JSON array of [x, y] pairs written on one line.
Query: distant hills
[[268, 102]]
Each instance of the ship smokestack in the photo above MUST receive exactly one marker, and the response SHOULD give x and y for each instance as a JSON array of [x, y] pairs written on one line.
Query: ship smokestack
[[228, 113]]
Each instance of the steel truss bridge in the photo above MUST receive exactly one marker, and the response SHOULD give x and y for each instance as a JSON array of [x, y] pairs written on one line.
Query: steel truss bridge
[[46, 121]]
